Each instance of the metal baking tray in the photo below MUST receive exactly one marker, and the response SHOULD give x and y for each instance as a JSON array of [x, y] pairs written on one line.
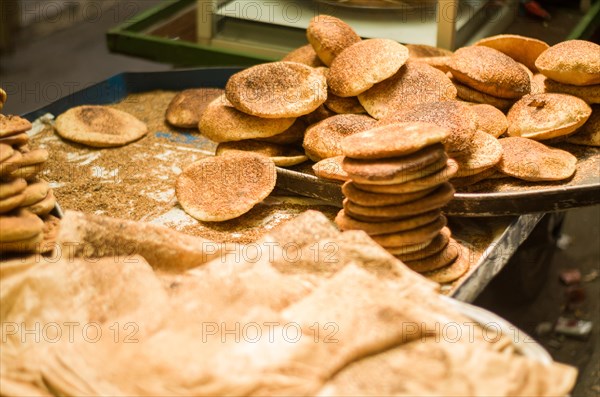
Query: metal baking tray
[[499, 238], [553, 197]]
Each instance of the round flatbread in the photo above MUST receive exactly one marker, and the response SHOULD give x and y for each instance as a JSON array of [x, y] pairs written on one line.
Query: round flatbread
[[346, 222], [19, 225], [445, 257], [324, 139], [329, 36], [533, 161], [484, 153], [520, 48], [575, 62], [11, 164], [453, 115], [99, 126], [437, 199], [305, 55], [277, 90], [34, 157], [6, 152], [10, 203], [282, 156], [589, 93], [364, 64], [547, 116], [396, 170], [452, 272], [23, 246], [28, 172], [589, 134], [35, 193], [469, 94], [474, 177], [368, 199], [440, 63], [44, 206], [426, 51], [393, 140], [294, 134], [538, 84], [418, 235], [320, 114], [490, 120], [407, 249], [490, 71], [348, 105], [187, 107], [221, 122], [17, 140], [437, 245], [413, 84], [12, 187], [220, 188], [415, 185], [331, 168], [13, 125]]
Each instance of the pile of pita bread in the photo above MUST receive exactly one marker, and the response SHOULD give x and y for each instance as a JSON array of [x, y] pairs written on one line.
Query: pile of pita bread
[[134, 309]]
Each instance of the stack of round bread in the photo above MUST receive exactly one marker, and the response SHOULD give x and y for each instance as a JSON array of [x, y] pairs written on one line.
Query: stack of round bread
[[485, 75], [398, 182], [568, 83], [266, 103], [25, 200], [353, 103]]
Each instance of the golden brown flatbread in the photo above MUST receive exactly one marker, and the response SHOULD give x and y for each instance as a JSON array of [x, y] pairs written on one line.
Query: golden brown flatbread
[[221, 122], [393, 140], [217, 189], [413, 84], [575, 62], [306, 55], [346, 222], [329, 36], [324, 139], [520, 48], [331, 168], [453, 115], [364, 64], [282, 156], [398, 169], [547, 116], [490, 71], [415, 185], [277, 90], [13, 125], [99, 126], [533, 161], [187, 107]]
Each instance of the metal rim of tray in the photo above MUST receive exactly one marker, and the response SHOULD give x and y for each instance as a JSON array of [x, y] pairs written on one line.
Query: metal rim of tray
[[523, 343], [464, 204]]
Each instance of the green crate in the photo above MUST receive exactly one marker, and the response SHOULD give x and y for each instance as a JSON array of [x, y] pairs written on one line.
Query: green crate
[[147, 36]]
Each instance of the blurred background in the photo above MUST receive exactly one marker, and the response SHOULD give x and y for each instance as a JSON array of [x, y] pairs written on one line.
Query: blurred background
[[49, 49]]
